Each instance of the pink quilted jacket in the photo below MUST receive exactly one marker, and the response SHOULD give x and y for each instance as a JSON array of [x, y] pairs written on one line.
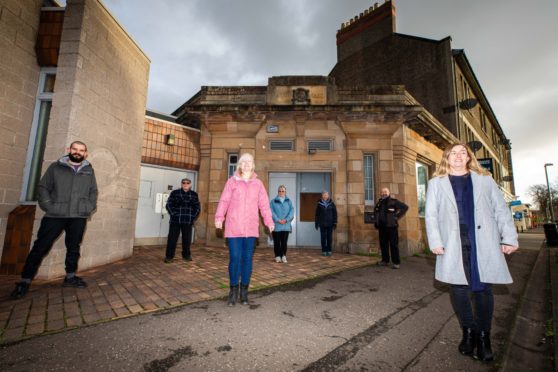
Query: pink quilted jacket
[[240, 202]]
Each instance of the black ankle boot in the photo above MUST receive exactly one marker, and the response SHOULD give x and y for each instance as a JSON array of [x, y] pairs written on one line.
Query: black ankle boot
[[484, 351], [233, 295], [244, 294], [467, 345]]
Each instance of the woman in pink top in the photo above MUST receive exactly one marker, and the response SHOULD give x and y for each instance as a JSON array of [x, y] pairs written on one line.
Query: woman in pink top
[[243, 197]]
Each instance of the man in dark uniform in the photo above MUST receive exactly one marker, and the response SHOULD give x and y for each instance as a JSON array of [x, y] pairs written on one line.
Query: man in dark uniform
[[387, 211]]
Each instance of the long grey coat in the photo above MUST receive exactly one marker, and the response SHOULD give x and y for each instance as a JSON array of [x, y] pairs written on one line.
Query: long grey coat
[[493, 227]]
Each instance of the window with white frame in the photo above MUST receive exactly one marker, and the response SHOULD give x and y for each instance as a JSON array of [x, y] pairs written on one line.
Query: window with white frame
[[38, 134], [368, 172], [233, 162], [422, 182]]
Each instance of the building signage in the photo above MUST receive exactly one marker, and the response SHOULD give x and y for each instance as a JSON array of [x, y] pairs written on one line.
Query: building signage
[[487, 164], [515, 202], [272, 128]]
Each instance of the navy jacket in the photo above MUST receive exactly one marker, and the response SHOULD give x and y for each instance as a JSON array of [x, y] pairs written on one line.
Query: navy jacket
[[326, 214], [183, 207]]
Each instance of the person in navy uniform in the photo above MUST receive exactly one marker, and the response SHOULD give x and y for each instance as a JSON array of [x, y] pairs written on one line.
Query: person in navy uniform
[[387, 211]]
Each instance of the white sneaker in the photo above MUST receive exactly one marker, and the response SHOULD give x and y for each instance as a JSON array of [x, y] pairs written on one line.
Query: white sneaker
[[278, 259], [284, 259]]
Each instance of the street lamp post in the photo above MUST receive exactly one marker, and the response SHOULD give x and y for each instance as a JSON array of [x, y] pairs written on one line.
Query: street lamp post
[[549, 194]]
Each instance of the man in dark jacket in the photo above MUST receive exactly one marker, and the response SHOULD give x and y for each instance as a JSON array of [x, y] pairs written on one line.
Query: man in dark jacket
[[387, 211], [183, 206], [68, 195], [326, 220]]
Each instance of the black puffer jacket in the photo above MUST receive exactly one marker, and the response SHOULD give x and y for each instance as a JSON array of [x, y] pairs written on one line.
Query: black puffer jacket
[[65, 192], [326, 214]]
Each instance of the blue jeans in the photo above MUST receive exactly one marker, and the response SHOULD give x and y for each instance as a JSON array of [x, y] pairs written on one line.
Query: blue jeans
[[241, 251]]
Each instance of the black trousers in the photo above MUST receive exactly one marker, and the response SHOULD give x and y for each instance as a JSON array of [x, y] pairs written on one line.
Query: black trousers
[[174, 232], [389, 243], [49, 231], [326, 236], [463, 299], [481, 318], [280, 239]]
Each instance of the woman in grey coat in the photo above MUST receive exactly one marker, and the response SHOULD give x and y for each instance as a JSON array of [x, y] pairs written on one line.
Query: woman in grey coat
[[469, 228]]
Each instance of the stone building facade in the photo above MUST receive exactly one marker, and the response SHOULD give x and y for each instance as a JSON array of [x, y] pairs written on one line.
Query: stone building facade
[[370, 52], [73, 73], [310, 132]]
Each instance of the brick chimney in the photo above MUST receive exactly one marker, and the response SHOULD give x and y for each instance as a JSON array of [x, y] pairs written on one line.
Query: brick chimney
[[374, 24]]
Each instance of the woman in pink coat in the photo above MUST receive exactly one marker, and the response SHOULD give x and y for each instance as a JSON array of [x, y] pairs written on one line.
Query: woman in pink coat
[[243, 196]]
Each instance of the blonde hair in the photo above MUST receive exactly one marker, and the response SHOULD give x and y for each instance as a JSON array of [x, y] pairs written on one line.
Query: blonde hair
[[244, 158], [472, 165]]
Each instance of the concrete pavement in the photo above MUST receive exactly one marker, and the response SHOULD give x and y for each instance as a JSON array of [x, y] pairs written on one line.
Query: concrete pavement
[[369, 318]]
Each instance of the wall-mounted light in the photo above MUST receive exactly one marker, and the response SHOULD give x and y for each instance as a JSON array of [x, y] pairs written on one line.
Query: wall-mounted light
[[169, 139]]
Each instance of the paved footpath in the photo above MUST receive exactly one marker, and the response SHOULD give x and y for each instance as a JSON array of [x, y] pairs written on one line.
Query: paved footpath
[[143, 284], [369, 319]]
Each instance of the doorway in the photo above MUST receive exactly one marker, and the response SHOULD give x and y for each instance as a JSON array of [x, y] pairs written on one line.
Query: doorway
[[152, 219], [304, 189]]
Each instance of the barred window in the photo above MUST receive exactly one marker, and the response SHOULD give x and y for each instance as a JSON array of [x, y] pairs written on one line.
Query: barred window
[[281, 145], [368, 171], [233, 161]]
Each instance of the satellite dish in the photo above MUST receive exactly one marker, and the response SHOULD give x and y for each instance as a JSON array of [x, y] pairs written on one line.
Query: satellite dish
[[468, 103], [475, 145]]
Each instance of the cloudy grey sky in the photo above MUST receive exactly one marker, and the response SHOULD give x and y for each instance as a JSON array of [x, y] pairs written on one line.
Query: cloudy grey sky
[[511, 45]]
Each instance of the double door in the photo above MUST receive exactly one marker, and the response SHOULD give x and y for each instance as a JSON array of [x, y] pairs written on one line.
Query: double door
[[304, 189]]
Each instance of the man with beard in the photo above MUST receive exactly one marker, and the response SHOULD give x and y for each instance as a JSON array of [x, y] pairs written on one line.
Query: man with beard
[[68, 195]]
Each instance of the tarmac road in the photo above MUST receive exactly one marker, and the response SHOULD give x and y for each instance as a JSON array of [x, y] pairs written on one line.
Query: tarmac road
[[368, 319]]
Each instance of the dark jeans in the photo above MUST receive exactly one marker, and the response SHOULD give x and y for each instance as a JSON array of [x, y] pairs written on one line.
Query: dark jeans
[[174, 231], [280, 239], [241, 251], [49, 231], [326, 234], [481, 319], [389, 242]]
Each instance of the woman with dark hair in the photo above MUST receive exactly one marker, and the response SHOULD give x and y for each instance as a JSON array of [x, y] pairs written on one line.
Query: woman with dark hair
[[470, 229]]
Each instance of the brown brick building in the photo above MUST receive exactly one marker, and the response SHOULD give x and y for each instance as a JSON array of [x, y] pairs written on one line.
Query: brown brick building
[[370, 52], [381, 118]]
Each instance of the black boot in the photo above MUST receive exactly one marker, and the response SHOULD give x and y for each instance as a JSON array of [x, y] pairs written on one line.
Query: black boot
[[467, 345], [233, 295], [484, 351], [244, 294]]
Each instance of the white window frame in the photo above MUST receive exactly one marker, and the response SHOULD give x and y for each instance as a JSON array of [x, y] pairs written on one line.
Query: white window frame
[[231, 167], [421, 188], [368, 173], [41, 97]]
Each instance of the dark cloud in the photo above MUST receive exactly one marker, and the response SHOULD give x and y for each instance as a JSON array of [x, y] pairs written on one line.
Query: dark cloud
[[510, 44]]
